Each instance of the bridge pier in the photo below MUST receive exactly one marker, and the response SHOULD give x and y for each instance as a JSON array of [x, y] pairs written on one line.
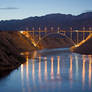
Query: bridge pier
[[33, 32], [52, 29], [83, 35], [39, 35], [45, 31], [71, 32], [77, 38]]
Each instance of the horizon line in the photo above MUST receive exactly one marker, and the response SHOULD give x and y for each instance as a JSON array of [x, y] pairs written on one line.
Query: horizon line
[[45, 15]]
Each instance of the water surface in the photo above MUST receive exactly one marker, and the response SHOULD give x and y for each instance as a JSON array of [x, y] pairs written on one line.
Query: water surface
[[54, 70]]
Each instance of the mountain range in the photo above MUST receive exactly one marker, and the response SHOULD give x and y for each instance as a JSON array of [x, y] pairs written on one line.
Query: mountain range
[[64, 21]]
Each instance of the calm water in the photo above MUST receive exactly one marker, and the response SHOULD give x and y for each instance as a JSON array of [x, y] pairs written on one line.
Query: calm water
[[54, 70]]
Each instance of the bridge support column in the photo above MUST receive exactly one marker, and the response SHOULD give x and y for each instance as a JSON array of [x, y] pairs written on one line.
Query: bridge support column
[[33, 33], [45, 31], [77, 38], [71, 29], [52, 29], [83, 35], [39, 34]]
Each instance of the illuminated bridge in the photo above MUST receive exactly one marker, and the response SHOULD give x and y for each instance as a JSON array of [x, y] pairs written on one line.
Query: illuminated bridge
[[75, 35]]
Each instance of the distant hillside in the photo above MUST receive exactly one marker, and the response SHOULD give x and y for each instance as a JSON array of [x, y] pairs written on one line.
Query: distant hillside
[[51, 20]]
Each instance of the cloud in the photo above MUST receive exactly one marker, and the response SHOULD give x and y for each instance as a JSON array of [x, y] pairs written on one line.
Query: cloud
[[9, 8], [87, 11]]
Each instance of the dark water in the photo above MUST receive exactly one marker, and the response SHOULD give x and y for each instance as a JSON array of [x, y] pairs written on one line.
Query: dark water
[[54, 70]]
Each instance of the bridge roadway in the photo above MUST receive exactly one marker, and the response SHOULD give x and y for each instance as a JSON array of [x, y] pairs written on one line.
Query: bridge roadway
[[36, 35]]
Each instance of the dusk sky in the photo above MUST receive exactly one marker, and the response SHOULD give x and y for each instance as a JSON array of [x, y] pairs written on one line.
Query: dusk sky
[[18, 9]]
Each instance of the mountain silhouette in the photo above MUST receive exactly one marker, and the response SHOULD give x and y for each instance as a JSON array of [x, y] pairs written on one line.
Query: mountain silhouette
[[51, 20]]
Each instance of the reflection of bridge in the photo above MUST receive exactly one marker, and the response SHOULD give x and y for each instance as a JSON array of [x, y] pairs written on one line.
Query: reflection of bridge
[[40, 70], [75, 35]]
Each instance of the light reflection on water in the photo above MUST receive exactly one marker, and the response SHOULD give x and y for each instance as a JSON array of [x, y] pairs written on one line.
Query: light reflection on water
[[53, 71], [76, 66], [90, 73], [45, 71], [83, 72], [70, 74]]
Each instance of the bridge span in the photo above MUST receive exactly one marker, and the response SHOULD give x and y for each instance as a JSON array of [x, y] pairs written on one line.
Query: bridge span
[[37, 35]]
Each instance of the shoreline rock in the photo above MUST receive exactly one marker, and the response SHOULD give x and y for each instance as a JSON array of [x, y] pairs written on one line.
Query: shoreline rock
[[84, 47], [11, 45]]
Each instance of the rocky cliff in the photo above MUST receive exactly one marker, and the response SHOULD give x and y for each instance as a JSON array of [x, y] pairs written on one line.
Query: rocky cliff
[[84, 47], [11, 45]]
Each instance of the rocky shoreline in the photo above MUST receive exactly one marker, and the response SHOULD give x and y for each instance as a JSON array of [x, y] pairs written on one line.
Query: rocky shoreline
[[11, 45], [84, 47]]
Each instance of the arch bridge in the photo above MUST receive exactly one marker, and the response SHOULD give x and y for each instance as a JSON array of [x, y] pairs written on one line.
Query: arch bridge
[[37, 35]]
